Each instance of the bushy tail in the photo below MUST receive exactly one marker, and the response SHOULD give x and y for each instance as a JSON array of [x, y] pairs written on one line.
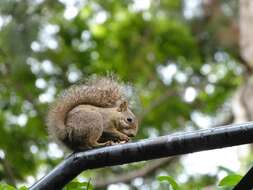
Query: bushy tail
[[101, 92]]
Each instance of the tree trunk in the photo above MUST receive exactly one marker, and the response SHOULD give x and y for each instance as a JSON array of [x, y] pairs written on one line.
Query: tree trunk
[[246, 30]]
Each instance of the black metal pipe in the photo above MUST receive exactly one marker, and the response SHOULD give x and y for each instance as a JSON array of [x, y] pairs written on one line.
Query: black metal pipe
[[246, 183], [164, 146]]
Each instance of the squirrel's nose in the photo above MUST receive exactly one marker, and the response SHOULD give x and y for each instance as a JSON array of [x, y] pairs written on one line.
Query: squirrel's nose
[[131, 135]]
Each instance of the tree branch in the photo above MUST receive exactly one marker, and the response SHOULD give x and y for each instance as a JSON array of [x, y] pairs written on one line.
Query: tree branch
[[169, 145], [8, 172], [148, 169]]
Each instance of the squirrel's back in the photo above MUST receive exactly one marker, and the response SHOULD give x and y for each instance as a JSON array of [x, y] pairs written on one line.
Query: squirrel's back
[[100, 92]]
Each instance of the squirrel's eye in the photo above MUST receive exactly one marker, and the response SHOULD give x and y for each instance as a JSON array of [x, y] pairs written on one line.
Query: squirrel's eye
[[129, 119]]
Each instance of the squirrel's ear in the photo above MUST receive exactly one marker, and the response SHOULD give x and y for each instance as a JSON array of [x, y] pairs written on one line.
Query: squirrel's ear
[[123, 106]]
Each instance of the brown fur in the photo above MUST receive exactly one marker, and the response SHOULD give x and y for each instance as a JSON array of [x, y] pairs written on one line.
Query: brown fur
[[82, 114]]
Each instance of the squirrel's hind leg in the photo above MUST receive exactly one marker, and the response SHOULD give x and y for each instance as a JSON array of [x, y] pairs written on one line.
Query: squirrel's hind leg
[[86, 128], [94, 137], [95, 130]]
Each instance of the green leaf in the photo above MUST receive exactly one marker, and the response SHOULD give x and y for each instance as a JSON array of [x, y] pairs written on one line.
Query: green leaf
[[23, 188], [170, 180], [230, 180], [79, 186], [6, 187]]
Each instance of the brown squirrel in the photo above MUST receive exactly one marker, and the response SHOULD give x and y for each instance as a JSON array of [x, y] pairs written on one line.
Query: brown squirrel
[[92, 115]]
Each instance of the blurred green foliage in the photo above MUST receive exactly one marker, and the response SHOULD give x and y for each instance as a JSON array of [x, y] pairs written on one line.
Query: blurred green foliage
[[79, 186], [8, 187], [177, 66], [226, 183]]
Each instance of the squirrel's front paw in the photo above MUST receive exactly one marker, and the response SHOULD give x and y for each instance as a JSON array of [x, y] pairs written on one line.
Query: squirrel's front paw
[[124, 138], [109, 143]]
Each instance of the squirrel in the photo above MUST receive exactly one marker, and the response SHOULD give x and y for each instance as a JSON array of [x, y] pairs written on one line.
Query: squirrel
[[92, 115]]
